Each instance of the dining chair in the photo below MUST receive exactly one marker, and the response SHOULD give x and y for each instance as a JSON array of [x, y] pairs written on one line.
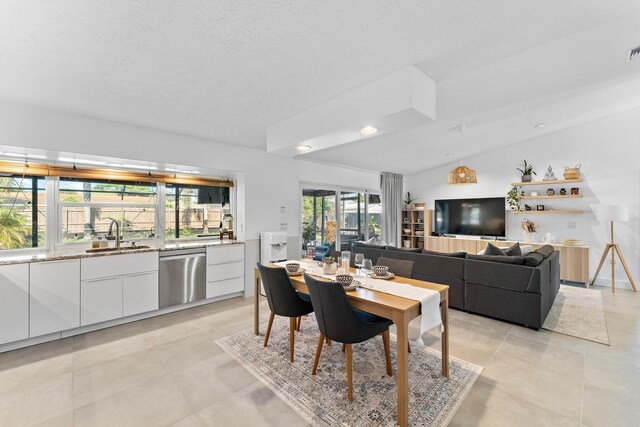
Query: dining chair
[[398, 267], [284, 301], [339, 322]]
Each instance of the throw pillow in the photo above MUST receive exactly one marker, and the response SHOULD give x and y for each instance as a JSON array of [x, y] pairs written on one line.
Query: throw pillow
[[533, 259], [526, 249], [513, 250], [411, 250], [503, 259], [493, 250], [449, 254]]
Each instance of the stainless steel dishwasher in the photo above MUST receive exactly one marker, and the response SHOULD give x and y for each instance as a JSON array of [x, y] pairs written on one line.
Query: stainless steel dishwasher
[[182, 276]]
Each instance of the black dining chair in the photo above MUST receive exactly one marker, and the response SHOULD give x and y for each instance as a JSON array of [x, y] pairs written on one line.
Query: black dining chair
[[339, 322], [284, 301], [398, 267]]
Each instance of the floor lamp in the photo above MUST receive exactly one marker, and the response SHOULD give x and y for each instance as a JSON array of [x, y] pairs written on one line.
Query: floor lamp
[[612, 214]]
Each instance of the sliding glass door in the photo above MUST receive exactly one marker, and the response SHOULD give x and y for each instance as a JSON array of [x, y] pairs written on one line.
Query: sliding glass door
[[352, 218], [319, 222]]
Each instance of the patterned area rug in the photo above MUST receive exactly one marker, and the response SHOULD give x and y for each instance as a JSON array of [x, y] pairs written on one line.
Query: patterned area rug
[[578, 312], [322, 399]]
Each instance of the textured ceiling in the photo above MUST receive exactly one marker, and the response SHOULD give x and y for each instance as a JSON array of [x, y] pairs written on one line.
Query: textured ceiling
[[226, 70]]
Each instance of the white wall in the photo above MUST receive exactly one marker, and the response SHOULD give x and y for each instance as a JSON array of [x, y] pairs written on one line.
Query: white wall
[[270, 181], [609, 150]]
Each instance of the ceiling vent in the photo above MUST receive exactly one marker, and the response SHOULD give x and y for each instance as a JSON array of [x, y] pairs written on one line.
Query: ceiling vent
[[633, 54]]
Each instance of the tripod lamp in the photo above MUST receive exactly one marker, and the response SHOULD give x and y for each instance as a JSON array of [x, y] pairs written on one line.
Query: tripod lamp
[[612, 214]]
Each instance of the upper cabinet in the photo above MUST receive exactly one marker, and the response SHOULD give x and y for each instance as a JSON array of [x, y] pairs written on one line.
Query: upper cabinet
[[14, 302], [54, 296]]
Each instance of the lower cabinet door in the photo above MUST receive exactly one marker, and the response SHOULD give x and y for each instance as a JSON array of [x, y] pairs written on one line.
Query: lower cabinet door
[[225, 287], [101, 300], [54, 296], [14, 303], [140, 293]]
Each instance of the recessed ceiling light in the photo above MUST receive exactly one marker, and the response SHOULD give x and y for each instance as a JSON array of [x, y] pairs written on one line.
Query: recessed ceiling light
[[540, 125], [449, 154], [303, 147], [368, 130]]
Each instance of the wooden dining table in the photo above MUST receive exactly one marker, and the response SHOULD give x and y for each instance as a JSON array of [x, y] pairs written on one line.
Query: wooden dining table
[[397, 309]]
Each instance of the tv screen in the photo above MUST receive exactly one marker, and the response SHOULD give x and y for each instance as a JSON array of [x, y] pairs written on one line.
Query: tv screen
[[471, 217]]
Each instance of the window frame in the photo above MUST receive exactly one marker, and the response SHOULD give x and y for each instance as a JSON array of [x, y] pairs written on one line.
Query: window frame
[[34, 215]]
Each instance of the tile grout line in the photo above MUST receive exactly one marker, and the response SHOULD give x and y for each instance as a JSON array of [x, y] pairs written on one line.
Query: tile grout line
[[584, 373], [501, 344]]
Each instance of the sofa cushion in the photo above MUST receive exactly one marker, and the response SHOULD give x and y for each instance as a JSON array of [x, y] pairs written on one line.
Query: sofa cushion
[[545, 251], [504, 259], [410, 250], [513, 250], [449, 254], [368, 246], [533, 259]]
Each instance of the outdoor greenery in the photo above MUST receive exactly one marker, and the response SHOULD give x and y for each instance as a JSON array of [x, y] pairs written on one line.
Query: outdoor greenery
[[14, 229]]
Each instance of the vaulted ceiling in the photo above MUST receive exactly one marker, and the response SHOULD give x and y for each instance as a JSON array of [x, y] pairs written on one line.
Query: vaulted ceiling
[[227, 70]]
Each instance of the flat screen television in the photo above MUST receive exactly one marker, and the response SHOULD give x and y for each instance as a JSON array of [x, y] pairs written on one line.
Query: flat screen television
[[471, 217]]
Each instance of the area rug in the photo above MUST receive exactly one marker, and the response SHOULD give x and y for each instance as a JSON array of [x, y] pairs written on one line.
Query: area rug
[[578, 312], [322, 399]]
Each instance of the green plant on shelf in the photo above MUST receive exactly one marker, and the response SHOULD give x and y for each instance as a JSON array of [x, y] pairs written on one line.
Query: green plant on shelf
[[514, 198]]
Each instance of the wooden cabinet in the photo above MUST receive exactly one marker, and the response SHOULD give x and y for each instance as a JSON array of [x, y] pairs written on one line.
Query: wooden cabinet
[[14, 302], [437, 244], [469, 246], [101, 300], [139, 293], [225, 270], [54, 296]]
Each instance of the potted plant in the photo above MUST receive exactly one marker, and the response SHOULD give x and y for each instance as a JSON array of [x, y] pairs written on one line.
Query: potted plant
[[408, 201], [530, 228], [513, 198], [527, 171]]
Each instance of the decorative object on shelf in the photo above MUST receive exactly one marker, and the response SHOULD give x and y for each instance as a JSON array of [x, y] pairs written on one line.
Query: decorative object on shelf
[[572, 173], [575, 191], [408, 202], [513, 198], [406, 243], [419, 206], [549, 238], [462, 174], [612, 214], [406, 230], [563, 191], [527, 171], [539, 207], [549, 176], [527, 207], [530, 228], [522, 193], [226, 226], [551, 192], [572, 242], [534, 194], [329, 265]]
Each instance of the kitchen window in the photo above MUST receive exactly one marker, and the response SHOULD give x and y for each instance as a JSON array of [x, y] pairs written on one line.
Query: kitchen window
[[87, 208], [195, 211], [22, 212]]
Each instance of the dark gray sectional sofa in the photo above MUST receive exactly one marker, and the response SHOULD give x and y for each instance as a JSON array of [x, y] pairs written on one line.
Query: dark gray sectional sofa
[[518, 289]]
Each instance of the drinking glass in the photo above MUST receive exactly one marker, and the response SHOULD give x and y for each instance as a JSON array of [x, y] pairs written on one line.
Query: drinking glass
[[358, 261], [367, 267]]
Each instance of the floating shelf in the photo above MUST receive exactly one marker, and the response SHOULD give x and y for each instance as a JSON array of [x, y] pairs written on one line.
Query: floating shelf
[[552, 197], [557, 181], [555, 211]]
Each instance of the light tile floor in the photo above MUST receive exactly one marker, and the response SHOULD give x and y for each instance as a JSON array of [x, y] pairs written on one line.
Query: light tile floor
[[169, 371]]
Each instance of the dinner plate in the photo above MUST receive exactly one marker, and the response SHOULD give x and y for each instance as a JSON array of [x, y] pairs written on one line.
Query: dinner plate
[[296, 273], [385, 277]]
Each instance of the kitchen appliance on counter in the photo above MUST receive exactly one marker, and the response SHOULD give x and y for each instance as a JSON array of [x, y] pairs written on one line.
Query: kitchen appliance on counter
[[182, 276], [273, 248]]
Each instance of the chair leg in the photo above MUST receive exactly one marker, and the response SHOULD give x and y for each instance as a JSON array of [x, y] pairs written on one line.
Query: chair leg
[[343, 347], [318, 351], [408, 347], [328, 342], [266, 337], [292, 330], [387, 354], [349, 372]]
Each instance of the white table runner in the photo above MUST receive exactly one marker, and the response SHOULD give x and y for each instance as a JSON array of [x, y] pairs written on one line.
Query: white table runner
[[428, 298]]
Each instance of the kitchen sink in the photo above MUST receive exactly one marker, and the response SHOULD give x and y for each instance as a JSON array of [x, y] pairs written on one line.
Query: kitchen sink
[[122, 248]]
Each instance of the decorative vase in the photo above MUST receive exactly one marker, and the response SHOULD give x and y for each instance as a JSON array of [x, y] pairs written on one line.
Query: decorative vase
[[526, 178], [528, 237], [331, 268]]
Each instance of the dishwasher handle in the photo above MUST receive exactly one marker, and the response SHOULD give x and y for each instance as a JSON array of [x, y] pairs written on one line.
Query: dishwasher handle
[[174, 257]]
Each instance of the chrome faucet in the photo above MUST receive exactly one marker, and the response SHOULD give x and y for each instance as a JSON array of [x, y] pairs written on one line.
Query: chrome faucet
[[110, 235]]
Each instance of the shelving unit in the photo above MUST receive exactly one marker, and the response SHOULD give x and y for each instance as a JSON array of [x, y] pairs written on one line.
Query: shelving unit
[[553, 197], [416, 221], [553, 211], [557, 181]]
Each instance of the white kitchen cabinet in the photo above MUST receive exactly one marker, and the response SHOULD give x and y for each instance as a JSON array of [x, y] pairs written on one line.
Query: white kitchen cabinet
[[54, 296], [140, 293], [225, 270], [14, 302], [101, 300]]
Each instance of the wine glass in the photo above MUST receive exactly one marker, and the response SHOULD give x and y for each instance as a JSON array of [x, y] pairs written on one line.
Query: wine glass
[[358, 261], [367, 267]]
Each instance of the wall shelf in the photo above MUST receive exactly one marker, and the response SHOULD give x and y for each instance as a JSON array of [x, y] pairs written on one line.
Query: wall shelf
[[552, 197], [558, 181], [555, 211]]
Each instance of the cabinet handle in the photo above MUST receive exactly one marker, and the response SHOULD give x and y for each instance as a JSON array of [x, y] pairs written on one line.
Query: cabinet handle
[[99, 279], [144, 273]]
